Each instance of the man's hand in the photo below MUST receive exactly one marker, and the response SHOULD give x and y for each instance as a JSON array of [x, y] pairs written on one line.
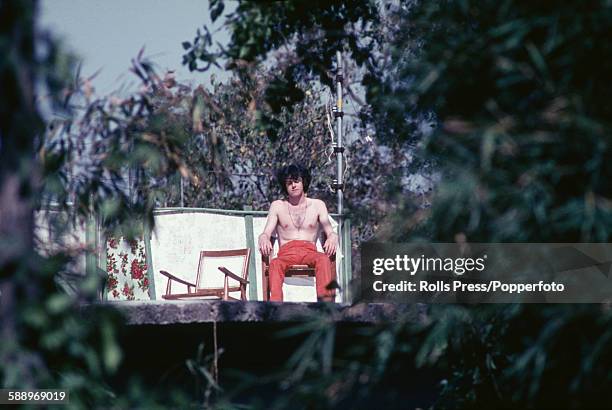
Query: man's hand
[[331, 244], [265, 246]]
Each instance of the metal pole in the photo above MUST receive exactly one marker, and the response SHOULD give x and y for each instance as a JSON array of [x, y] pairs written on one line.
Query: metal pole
[[182, 203], [338, 150]]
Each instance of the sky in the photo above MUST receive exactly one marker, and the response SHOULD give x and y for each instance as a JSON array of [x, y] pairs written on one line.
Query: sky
[[107, 34]]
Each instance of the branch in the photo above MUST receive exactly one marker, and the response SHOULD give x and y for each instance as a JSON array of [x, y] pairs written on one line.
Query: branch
[[354, 96]]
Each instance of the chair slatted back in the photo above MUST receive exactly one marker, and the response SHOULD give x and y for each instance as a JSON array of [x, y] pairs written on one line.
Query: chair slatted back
[[209, 276]]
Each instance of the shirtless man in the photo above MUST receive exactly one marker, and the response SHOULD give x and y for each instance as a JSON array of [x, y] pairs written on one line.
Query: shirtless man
[[296, 221]]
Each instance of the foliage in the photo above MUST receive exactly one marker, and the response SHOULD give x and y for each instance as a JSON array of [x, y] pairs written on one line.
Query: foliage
[[51, 339], [523, 129], [113, 156], [313, 30], [453, 356], [245, 174], [521, 136], [45, 342], [522, 133]]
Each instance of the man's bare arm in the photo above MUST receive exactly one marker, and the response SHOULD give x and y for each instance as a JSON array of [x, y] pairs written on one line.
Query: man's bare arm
[[332, 239], [265, 246]]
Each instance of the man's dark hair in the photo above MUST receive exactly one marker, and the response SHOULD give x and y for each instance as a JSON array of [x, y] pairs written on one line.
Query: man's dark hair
[[293, 171]]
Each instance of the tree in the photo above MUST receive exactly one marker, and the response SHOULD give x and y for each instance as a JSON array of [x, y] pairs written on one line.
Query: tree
[[46, 344], [521, 133], [36, 319], [522, 129]]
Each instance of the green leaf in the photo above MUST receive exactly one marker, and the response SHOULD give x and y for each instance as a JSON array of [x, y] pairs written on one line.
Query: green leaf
[[111, 353], [110, 208], [58, 302], [216, 10]]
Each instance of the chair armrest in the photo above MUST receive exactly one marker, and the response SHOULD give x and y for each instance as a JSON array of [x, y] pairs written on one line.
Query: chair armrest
[[172, 277], [227, 272]]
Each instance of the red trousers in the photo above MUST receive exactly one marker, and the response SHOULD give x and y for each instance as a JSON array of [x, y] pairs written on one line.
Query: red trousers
[[301, 253]]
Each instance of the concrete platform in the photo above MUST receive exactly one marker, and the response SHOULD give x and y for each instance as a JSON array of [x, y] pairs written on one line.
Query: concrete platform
[[209, 311]]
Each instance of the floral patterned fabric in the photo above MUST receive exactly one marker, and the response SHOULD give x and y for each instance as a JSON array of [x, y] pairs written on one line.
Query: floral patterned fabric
[[126, 266]]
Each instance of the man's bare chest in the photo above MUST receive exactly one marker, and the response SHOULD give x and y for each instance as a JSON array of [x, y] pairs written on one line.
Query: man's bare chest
[[298, 218]]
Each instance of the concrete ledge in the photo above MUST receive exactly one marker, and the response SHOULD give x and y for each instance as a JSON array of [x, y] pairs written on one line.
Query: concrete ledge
[[208, 311]]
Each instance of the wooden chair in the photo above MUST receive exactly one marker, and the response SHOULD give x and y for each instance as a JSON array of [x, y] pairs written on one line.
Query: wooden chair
[[292, 271], [208, 279]]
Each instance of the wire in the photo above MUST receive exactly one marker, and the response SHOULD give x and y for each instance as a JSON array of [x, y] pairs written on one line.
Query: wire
[[328, 111]]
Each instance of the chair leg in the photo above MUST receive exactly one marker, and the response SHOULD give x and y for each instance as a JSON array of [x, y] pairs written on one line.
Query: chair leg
[[225, 289], [264, 285]]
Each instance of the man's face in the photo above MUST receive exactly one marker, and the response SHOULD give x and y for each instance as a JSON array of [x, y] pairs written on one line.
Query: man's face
[[295, 186]]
